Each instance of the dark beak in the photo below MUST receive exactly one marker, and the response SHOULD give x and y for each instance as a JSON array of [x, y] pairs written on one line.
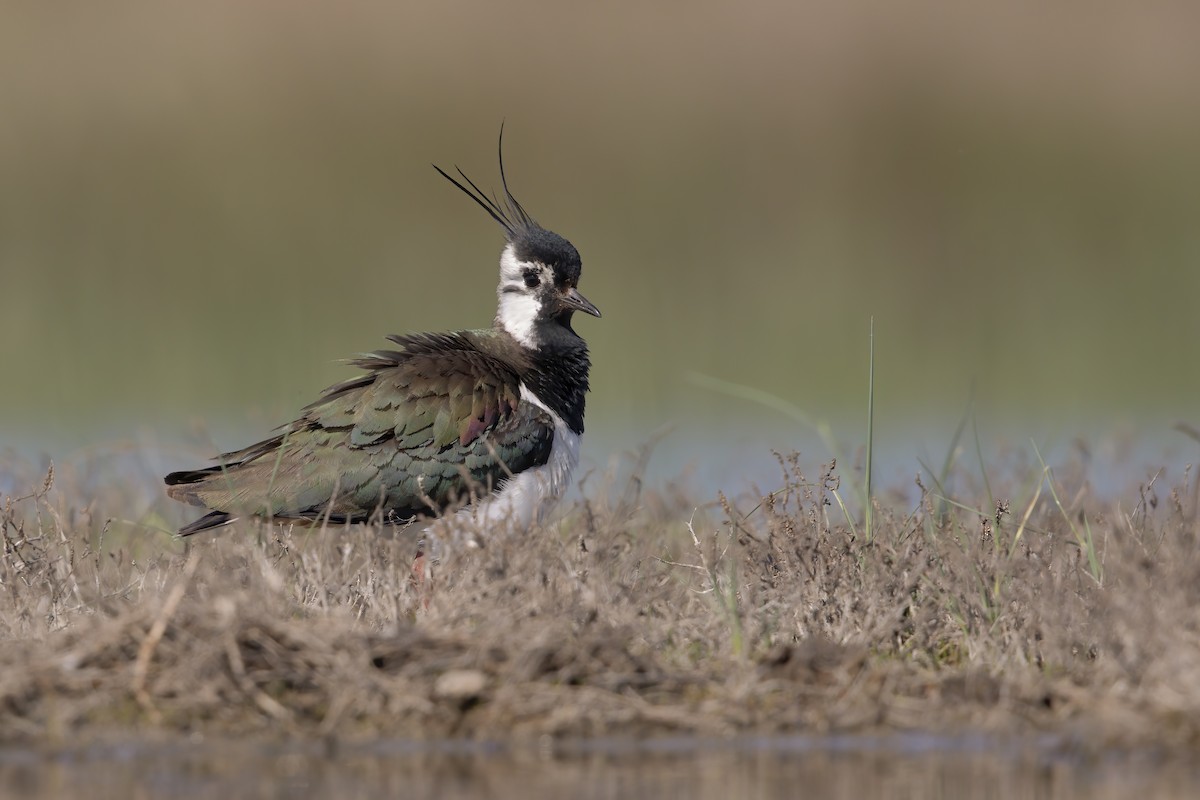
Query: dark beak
[[573, 300]]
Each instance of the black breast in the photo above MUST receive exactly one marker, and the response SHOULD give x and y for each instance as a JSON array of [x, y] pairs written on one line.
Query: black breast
[[559, 378]]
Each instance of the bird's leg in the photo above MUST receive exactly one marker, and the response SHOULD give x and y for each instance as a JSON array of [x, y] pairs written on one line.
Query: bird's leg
[[422, 576]]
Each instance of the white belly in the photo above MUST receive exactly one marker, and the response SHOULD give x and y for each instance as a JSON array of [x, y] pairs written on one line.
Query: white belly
[[525, 498]]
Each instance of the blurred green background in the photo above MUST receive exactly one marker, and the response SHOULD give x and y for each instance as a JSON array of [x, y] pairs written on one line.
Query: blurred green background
[[204, 205]]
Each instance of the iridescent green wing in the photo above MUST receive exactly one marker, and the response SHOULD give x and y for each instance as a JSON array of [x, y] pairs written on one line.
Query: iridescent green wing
[[430, 425]]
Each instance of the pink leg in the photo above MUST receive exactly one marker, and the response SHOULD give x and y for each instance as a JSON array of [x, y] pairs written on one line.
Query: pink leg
[[420, 579]]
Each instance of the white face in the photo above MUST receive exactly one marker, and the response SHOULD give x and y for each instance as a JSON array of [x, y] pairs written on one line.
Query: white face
[[523, 287]]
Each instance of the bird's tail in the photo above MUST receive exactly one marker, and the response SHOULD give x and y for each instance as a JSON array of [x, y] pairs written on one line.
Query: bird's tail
[[215, 519]]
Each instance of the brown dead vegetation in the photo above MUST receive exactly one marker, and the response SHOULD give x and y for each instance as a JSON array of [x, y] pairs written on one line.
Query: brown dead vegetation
[[1048, 611]]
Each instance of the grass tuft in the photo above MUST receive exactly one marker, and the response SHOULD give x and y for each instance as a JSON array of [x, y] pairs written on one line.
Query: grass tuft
[[643, 612]]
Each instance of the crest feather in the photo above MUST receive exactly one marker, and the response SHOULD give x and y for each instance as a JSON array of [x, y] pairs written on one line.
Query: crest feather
[[511, 215]]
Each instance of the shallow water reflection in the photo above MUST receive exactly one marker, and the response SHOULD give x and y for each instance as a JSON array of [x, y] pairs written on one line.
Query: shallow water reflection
[[838, 767]]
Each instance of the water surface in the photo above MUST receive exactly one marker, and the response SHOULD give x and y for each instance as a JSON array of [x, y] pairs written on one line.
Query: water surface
[[917, 766]]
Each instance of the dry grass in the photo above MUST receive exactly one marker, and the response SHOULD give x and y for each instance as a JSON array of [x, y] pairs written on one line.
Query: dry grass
[[1052, 610]]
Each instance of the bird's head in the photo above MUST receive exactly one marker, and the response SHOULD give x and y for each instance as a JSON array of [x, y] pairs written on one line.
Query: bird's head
[[539, 270]]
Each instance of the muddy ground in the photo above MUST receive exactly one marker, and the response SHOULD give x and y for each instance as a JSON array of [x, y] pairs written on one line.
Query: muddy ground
[[1020, 605]]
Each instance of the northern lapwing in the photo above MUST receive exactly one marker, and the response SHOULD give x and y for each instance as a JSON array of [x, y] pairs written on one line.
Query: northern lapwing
[[482, 426]]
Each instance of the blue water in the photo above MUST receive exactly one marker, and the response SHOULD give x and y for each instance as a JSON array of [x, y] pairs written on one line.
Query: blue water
[[703, 456]]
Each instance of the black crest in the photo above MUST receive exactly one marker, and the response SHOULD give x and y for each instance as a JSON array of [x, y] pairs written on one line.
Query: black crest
[[510, 214]]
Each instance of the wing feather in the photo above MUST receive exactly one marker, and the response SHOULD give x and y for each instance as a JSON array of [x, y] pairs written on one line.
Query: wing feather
[[431, 424]]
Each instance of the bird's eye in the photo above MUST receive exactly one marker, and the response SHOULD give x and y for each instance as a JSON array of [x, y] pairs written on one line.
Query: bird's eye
[[532, 279]]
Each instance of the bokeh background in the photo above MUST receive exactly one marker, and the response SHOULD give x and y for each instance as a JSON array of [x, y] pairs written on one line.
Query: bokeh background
[[204, 205]]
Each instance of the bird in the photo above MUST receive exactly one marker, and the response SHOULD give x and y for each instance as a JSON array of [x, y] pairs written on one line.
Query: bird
[[476, 427]]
